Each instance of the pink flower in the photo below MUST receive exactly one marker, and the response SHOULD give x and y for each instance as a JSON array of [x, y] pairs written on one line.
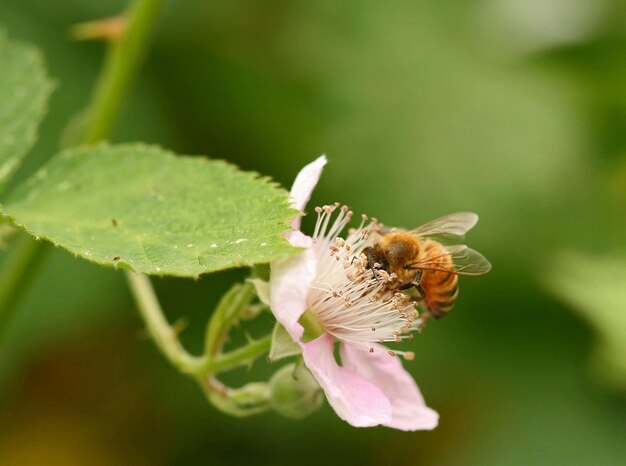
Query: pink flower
[[329, 281]]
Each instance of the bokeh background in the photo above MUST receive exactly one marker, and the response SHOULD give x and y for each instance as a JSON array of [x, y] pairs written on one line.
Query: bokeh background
[[515, 109]]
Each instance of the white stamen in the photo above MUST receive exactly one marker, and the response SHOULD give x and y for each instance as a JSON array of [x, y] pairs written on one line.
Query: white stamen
[[353, 303]]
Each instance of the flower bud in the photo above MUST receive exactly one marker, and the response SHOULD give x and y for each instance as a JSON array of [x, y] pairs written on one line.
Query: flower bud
[[294, 392], [244, 401]]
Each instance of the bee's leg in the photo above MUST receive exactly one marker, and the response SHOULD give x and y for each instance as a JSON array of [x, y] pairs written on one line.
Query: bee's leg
[[413, 283], [420, 290]]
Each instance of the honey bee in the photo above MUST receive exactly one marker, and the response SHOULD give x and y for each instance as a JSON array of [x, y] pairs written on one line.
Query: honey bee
[[430, 259]]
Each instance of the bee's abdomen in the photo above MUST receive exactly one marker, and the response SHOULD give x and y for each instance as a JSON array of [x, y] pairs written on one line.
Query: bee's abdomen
[[440, 288]]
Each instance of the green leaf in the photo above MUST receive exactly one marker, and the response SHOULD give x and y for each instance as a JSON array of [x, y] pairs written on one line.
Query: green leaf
[[283, 345], [24, 91], [144, 208]]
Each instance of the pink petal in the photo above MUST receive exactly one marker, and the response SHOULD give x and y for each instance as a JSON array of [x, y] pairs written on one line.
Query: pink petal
[[303, 186], [353, 398], [289, 286], [386, 372]]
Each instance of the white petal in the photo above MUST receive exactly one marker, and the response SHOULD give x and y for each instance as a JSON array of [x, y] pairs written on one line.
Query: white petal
[[354, 399], [303, 186], [289, 288], [386, 372], [298, 239]]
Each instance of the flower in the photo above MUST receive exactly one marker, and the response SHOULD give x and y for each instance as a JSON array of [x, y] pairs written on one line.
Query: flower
[[329, 282]]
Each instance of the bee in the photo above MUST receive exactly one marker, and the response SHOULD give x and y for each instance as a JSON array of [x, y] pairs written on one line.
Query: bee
[[430, 259]]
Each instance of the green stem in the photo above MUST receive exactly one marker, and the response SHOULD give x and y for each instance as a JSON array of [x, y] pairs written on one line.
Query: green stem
[[252, 398], [120, 68], [241, 356], [225, 314], [163, 334], [167, 341], [121, 65]]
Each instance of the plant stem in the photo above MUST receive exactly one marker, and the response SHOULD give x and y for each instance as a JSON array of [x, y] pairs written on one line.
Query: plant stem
[[227, 311], [163, 334], [121, 65], [166, 339], [240, 356], [252, 398]]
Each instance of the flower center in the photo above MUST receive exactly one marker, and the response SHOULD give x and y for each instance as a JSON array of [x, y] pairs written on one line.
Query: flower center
[[351, 302]]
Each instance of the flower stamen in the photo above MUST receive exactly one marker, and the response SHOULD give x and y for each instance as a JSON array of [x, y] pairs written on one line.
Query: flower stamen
[[354, 303]]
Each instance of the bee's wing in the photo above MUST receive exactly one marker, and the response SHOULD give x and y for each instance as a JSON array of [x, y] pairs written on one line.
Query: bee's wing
[[465, 261], [452, 226]]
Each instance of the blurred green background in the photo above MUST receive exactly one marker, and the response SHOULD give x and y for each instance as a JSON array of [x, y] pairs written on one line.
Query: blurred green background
[[515, 109]]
